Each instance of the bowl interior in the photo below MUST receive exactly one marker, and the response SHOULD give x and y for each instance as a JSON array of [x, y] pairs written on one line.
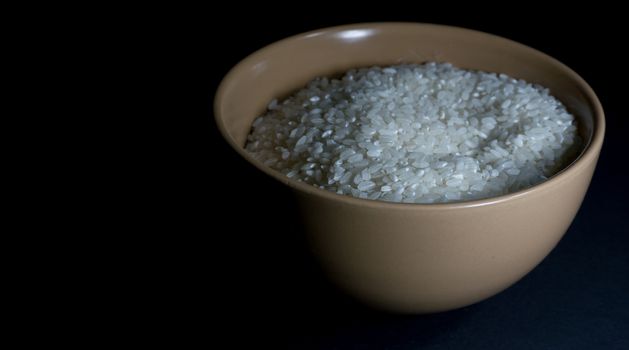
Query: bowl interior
[[285, 66]]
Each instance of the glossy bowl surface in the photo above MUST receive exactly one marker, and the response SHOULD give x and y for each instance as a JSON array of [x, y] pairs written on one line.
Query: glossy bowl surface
[[418, 258]]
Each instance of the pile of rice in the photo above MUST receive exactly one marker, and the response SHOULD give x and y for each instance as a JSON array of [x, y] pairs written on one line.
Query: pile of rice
[[416, 134]]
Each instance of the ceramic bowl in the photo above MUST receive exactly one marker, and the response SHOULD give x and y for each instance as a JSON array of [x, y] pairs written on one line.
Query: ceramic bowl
[[418, 258]]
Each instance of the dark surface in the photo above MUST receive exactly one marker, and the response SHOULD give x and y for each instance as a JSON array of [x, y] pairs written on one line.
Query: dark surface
[[271, 293]]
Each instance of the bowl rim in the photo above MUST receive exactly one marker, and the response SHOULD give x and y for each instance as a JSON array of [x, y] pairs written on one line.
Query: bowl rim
[[587, 155]]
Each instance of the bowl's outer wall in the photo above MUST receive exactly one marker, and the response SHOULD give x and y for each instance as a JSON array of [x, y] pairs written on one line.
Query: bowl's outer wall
[[426, 261], [419, 258]]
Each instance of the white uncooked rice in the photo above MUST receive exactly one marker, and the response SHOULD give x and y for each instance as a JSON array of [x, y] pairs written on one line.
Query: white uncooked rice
[[416, 134]]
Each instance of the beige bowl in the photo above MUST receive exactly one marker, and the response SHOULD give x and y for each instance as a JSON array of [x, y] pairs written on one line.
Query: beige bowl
[[419, 258]]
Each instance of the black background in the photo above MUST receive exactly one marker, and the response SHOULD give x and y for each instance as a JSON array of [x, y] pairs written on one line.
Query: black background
[[267, 290]]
